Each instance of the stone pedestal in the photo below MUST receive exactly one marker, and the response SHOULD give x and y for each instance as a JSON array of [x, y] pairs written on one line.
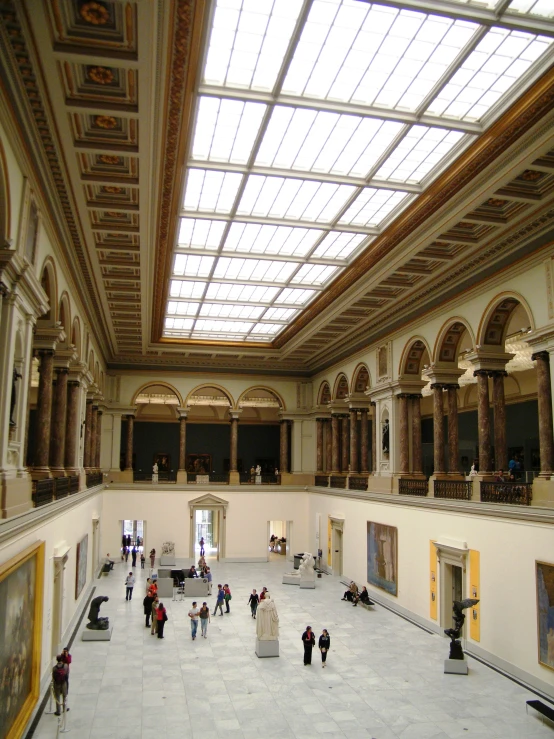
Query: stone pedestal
[[267, 648], [307, 583], [167, 560], [258, 479], [202, 479], [291, 578], [181, 476], [456, 667], [97, 635], [154, 479]]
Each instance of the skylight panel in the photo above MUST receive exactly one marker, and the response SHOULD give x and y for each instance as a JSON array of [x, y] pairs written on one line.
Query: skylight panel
[[266, 328], [235, 327], [216, 310], [200, 234], [301, 139], [181, 308], [544, 8], [241, 293], [280, 314], [372, 206], [419, 152], [338, 245], [180, 324], [189, 265], [254, 270], [295, 296], [255, 238], [226, 130], [186, 289], [499, 60], [280, 197], [248, 42], [211, 191], [314, 274]]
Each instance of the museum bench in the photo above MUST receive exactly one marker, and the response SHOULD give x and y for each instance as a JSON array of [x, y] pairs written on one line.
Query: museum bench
[[106, 569], [541, 708]]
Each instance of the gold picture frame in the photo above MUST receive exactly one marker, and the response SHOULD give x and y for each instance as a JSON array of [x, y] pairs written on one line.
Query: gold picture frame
[[544, 578], [21, 603]]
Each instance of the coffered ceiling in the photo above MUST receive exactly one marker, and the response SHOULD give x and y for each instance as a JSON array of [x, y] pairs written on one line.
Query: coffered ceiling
[[268, 185]]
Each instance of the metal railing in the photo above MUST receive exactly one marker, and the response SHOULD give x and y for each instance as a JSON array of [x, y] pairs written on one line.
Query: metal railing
[[222, 478], [456, 489], [322, 481], [357, 482], [43, 492], [338, 481], [141, 476], [516, 493], [409, 486], [73, 484], [247, 479], [61, 487], [94, 478]]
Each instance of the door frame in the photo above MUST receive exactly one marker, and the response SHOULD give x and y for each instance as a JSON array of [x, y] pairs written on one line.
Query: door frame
[[209, 502], [450, 553], [337, 524]]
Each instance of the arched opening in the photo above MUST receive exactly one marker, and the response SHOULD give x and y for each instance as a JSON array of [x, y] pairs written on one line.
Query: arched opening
[[324, 395], [259, 432], [76, 337], [64, 313], [361, 381], [48, 284], [341, 387]]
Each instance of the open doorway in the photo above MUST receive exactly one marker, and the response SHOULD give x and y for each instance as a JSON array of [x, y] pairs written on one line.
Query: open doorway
[[206, 533], [132, 539], [277, 540]]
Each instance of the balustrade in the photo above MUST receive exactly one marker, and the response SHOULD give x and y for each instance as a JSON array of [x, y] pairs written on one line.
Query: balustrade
[[456, 489], [94, 478], [408, 486], [338, 481], [516, 493], [357, 482], [43, 491], [322, 481]]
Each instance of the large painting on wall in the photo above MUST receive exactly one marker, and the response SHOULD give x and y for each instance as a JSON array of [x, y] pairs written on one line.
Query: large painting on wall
[[21, 587], [382, 556], [199, 464], [81, 569], [545, 613]]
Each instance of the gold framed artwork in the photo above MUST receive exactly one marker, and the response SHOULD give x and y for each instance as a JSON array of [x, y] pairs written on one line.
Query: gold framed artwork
[[382, 556], [545, 612], [81, 566], [21, 600]]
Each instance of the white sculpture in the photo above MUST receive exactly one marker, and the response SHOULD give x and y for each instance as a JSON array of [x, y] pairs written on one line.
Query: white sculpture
[[155, 472], [267, 620], [473, 471], [168, 548], [258, 470], [306, 571]]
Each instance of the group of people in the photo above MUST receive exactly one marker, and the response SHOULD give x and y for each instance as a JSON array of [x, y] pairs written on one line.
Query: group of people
[[134, 552], [60, 680], [154, 610], [223, 596], [354, 596], [255, 599], [324, 644]]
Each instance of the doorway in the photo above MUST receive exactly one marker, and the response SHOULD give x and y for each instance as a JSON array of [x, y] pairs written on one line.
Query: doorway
[[206, 526], [132, 537], [337, 550], [208, 514], [277, 540]]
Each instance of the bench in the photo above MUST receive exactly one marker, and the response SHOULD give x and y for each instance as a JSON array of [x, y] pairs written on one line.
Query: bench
[[106, 569], [367, 606], [541, 708]]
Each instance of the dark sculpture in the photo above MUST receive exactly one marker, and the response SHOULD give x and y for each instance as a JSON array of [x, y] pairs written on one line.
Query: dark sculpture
[[456, 651], [16, 376], [99, 623]]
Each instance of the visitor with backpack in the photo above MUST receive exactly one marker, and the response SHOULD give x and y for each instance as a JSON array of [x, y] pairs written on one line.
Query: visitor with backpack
[[60, 675]]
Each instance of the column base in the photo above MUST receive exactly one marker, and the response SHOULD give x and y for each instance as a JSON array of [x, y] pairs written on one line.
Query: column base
[[543, 492], [234, 478], [378, 484], [71, 471], [58, 471], [126, 476], [182, 476], [40, 473]]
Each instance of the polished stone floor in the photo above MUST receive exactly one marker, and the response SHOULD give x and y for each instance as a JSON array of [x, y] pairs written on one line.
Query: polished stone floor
[[384, 677]]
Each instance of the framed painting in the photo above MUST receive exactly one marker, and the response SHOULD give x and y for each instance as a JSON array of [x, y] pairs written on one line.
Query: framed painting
[[21, 600], [545, 613], [382, 556], [199, 464], [81, 568], [163, 460]]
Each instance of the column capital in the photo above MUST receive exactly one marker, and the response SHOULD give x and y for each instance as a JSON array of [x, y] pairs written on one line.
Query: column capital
[[480, 373], [489, 359], [498, 373], [65, 355], [61, 370], [48, 334], [183, 413], [234, 414], [543, 354]]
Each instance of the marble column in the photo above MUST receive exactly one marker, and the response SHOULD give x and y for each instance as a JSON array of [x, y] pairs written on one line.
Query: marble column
[[234, 444], [284, 446], [499, 405], [182, 442], [344, 445], [58, 428], [417, 449], [94, 422], [98, 439], [483, 421], [328, 446], [71, 426], [354, 463], [129, 451], [544, 392], [88, 428], [319, 445], [404, 466], [374, 439], [335, 459], [364, 450], [438, 430], [44, 410], [453, 444]]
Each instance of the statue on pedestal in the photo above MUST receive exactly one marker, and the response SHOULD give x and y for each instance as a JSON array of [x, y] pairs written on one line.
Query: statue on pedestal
[[456, 651], [97, 622], [168, 549], [306, 570], [267, 620], [155, 472]]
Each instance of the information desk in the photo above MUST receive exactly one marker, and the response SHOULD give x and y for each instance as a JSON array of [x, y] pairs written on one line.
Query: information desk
[[196, 587]]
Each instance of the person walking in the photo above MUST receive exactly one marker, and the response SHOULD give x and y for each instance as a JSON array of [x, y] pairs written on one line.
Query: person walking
[[202, 544], [209, 578], [142, 560], [262, 594], [60, 675], [147, 603], [253, 602], [152, 558], [162, 618], [129, 584], [308, 639], [155, 604], [134, 556], [219, 601], [193, 615], [67, 659], [126, 554], [324, 646], [204, 614], [228, 596]]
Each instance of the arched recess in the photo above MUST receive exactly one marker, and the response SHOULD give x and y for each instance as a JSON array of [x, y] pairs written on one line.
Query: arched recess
[[324, 394], [76, 336], [455, 336], [157, 384], [5, 203], [210, 403], [48, 282], [361, 380], [503, 317], [91, 362], [157, 401], [415, 355], [64, 312], [260, 403], [340, 391]]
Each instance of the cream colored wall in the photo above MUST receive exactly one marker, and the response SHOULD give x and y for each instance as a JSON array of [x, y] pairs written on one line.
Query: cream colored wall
[[508, 552], [16, 185], [166, 513]]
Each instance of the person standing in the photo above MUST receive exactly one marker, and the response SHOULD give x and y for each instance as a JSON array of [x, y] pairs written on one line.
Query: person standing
[[128, 541], [209, 578], [162, 618], [67, 660], [253, 602], [204, 614], [155, 604], [324, 646], [147, 603], [60, 675], [193, 615], [202, 544], [134, 556], [262, 594], [308, 639], [142, 560], [219, 601], [129, 584], [228, 596], [152, 558]]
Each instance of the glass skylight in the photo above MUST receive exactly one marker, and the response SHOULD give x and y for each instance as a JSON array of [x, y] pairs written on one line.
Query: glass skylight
[[313, 131]]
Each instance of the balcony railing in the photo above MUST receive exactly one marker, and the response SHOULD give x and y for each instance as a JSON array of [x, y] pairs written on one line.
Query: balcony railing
[[408, 486], [94, 478], [456, 489], [73, 484], [217, 477], [322, 481], [357, 482], [147, 476], [54, 488], [338, 481], [61, 487], [516, 493], [247, 479], [43, 492]]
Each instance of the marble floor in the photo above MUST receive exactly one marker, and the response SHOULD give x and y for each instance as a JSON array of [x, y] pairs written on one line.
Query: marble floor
[[384, 677]]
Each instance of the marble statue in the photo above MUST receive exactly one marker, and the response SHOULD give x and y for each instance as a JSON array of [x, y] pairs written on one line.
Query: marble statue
[[258, 470], [267, 620], [96, 621], [168, 549], [473, 471], [306, 571], [155, 468], [458, 607]]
